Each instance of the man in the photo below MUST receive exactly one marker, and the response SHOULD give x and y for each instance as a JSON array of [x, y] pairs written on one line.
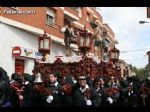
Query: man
[[53, 90], [101, 92], [113, 93], [83, 95], [111, 82], [98, 39], [69, 33]]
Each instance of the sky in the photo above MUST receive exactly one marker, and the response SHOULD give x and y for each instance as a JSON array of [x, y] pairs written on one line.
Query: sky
[[131, 35]]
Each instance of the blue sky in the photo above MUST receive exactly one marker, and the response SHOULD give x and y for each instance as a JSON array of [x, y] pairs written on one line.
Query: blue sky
[[131, 35]]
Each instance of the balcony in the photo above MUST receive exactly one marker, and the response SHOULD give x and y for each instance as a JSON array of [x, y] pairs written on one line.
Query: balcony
[[71, 14], [106, 42], [106, 39]]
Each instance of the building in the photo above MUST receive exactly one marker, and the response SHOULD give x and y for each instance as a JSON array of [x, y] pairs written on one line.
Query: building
[[21, 27], [125, 69]]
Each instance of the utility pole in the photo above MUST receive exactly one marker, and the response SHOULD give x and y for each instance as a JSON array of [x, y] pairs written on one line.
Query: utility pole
[[148, 53]]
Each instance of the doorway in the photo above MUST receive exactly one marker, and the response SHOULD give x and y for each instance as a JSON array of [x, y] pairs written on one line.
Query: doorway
[[19, 66]]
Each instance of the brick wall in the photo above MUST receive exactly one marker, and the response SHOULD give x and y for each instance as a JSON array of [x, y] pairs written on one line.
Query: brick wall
[[38, 19]]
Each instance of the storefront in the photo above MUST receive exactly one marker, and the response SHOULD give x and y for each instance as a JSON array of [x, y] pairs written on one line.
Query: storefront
[[22, 55]]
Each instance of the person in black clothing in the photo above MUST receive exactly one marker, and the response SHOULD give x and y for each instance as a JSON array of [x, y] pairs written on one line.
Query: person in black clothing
[[53, 89], [5, 95], [84, 95], [67, 90], [100, 90], [28, 90], [39, 96], [124, 92], [113, 93], [67, 95], [16, 88], [147, 92]]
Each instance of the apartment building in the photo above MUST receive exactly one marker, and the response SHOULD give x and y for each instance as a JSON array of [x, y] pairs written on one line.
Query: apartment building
[[21, 27]]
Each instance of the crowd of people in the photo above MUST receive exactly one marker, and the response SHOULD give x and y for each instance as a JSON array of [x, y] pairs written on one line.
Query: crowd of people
[[82, 91]]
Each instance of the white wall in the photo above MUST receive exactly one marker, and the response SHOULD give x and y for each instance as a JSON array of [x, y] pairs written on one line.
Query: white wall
[[10, 37], [29, 64], [58, 50]]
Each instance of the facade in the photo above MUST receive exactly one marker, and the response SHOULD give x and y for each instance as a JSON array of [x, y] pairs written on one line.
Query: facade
[[123, 66], [21, 27], [125, 69]]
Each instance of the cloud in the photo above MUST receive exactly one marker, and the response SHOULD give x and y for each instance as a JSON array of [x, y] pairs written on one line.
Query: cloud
[[131, 35]]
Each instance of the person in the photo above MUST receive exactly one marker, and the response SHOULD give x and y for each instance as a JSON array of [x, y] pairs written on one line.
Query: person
[[69, 33], [124, 92], [68, 89], [16, 87], [133, 95], [28, 90], [53, 91], [101, 92], [39, 95], [144, 92], [113, 93], [111, 82], [84, 95], [97, 35], [5, 96]]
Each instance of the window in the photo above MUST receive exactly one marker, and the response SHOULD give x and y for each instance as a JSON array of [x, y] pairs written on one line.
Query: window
[[80, 12], [50, 14], [88, 17]]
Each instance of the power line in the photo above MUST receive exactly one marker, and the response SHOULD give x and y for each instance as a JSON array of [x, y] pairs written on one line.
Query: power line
[[134, 50]]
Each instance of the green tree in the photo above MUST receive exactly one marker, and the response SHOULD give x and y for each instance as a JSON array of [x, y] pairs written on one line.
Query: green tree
[[141, 73]]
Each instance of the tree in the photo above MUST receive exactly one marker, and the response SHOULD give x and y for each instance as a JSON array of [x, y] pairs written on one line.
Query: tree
[[141, 73]]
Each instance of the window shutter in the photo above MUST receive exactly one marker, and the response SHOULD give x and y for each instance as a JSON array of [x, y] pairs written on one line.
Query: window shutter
[[50, 12]]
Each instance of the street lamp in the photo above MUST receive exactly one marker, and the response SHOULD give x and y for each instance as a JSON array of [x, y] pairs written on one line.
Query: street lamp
[[114, 54], [44, 45], [85, 41], [142, 22]]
